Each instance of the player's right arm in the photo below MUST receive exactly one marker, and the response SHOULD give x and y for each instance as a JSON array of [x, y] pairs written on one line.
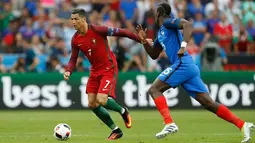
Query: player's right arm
[[72, 62], [178, 23], [153, 49]]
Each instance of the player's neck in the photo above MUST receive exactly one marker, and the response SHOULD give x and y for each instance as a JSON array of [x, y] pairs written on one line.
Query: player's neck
[[161, 21], [84, 29]]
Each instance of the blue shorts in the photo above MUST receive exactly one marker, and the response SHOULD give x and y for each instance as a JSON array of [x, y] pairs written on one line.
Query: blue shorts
[[185, 74]]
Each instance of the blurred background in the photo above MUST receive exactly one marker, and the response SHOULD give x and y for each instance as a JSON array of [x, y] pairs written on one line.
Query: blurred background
[[35, 35]]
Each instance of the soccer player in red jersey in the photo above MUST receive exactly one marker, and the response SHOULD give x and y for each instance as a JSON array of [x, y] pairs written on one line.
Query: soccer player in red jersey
[[92, 41]]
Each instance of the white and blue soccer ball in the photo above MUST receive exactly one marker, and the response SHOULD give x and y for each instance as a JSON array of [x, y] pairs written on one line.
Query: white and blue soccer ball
[[62, 131]]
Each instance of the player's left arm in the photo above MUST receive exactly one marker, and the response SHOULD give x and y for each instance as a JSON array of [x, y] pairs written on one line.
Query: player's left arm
[[119, 32], [178, 23]]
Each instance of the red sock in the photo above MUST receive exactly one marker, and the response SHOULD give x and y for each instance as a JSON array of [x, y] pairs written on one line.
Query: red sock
[[224, 113], [163, 109]]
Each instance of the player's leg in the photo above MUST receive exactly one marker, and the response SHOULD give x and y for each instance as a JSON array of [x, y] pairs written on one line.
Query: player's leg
[[164, 81], [170, 77], [116, 131], [99, 110], [197, 90], [224, 113], [110, 103], [156, 92], [219, 109], [107, 90]]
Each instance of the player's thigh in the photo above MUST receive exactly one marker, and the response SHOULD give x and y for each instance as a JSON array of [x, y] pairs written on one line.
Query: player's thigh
[[159, 86], [194, 86], [92, 84], [102, 98], [108, 83], [92, 98]]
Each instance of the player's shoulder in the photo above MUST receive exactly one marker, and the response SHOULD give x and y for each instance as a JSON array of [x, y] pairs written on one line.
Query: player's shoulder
[[96, 28], [172, 22], [74, 36], [99, 29], [173, 19]]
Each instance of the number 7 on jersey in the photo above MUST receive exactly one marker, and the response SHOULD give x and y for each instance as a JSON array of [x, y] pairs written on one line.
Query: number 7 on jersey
[[107, 83]]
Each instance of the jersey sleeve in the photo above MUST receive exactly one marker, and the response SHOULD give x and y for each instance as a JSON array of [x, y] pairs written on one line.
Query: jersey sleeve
[[74, 55], [172, 23], [119, 32]]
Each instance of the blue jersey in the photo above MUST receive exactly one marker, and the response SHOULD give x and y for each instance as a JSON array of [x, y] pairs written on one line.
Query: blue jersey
[[183, 72], [169, 37]]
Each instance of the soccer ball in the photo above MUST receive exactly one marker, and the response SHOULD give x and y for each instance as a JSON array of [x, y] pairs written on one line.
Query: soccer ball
[[62, 132]]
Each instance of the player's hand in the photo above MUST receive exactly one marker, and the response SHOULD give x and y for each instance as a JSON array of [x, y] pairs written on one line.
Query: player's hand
[[150, 42], [181, 52], [141, 33], [66, 75]]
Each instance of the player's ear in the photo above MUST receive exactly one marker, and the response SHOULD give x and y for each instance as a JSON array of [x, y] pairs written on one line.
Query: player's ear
[[157, 15], [84, 18]]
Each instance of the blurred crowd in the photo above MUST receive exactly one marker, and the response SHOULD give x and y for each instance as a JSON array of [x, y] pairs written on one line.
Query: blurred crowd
[[35, 35]]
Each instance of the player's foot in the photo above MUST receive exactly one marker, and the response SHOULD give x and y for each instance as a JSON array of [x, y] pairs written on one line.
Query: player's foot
[[168, 129], [246, 129], [116, 134], [127, 118]]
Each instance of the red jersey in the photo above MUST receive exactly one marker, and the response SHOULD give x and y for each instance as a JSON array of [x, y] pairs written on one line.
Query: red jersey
[[95, 46], [224, 30]]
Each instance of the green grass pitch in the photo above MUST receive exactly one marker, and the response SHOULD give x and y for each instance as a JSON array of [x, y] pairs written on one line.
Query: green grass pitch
[[196, 126]]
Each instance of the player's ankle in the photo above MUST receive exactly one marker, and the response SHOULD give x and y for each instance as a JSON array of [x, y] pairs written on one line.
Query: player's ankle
[[169, 123], [116, 128], [122, 110]]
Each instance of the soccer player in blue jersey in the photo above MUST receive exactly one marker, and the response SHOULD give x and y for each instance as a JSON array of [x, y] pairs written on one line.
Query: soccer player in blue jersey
[[183, 71]]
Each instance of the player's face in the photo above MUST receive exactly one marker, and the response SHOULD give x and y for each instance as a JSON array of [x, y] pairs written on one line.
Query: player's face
[[77, 21]]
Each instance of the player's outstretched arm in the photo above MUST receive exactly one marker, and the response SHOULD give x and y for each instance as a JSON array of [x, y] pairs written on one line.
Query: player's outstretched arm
[[180, 24], [153, 49], [110, 31]]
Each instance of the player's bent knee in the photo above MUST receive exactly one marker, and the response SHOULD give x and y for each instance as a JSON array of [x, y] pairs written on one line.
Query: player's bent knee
[[102, 99], [92, 105], [152, 90]]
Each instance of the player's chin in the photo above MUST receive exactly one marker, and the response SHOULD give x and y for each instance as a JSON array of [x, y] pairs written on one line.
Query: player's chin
[[75, 27]]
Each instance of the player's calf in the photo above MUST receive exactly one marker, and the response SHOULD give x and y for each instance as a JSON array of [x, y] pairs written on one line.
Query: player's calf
[[207, 103]]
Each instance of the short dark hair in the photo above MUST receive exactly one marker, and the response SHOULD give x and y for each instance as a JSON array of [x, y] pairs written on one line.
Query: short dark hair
[[164, 9], [79, 11]]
